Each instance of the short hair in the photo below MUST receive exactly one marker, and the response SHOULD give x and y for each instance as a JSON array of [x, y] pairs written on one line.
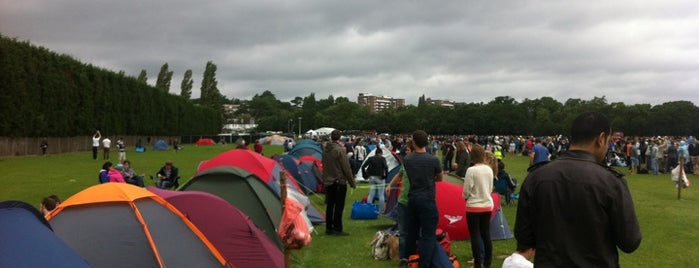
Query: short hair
[[587, 126], [55, 197], [378, 151], [168, 163], [522, 248], [335, 135], [420, 138], [477, 154], [126, 162], [49, 203]]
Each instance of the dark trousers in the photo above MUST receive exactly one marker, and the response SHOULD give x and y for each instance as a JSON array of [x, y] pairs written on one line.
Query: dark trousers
[[94, 152], [421, 221], [479, 227], [335, 198]]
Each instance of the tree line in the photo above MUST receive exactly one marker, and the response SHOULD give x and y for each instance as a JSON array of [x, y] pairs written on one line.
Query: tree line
[[48, 94], [503, 115]]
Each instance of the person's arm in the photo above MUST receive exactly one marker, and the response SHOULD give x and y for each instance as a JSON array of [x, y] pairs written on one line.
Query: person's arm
[[524, 223], [531, 157], [345, 168], [174, 173], [627, 232]]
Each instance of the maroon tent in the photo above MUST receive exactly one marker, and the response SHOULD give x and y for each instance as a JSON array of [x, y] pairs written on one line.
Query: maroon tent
[[231, 231]]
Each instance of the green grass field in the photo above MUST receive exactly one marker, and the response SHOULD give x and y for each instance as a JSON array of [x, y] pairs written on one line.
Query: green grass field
[[668, 225]]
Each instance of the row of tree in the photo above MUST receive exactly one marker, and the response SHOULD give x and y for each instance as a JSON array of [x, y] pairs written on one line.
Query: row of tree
[[47, 94], [502, 115]]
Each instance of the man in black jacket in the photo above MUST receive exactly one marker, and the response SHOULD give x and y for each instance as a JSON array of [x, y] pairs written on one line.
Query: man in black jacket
[[376, 169], [575, 211]]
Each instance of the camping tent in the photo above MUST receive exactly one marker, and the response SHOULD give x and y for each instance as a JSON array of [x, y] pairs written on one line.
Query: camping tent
[[307, 147], [324, 131], [302, 172], [28, 241], [273, 140], [229, 229], [246, 192], [392, 160], [205, 142], [160, 145], [268, 171], [121, 225]]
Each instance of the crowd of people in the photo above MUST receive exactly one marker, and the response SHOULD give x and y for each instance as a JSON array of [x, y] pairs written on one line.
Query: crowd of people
[[565, 186], [569, 184]]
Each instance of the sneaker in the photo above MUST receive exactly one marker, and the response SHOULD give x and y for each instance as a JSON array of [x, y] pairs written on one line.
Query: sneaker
[[341, 233]]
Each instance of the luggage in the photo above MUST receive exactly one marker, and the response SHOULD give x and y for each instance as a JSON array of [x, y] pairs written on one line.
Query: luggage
[[364, 211]]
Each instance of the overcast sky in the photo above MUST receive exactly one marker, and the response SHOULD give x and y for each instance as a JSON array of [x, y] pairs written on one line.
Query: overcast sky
[[466, 51]]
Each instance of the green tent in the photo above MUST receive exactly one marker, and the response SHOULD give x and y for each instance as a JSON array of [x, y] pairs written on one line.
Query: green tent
[[246, 192]]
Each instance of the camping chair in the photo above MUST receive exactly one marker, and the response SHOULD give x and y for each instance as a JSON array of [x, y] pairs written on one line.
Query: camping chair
[[173, 185], [501, 186]]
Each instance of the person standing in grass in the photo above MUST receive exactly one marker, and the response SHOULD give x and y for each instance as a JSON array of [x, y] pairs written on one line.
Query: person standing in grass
[[336, 175], [423, 171], [95, 144], [576, 211], [402, 180], [478, 184]]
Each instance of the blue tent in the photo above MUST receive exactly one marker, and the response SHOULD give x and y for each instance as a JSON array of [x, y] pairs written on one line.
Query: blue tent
[[307, 147], [28, 240], [160, 145], [301, 171]]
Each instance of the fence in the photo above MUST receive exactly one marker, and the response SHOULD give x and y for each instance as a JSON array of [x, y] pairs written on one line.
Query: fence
[[31, 146]]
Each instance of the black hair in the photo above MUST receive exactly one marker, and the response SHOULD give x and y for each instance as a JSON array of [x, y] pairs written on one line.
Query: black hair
[[587, 126], [107, 165], [522, 248], [420, 138], [335, 135], [378, 151]]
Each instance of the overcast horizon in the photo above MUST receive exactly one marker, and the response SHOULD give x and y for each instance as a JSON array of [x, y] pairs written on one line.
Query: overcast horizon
[[466, 51]]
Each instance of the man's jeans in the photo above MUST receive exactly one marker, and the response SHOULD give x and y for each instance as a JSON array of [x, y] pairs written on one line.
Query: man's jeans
[[421, 221]]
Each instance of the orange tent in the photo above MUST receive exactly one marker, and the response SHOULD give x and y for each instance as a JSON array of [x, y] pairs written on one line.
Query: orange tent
[[121, 225]]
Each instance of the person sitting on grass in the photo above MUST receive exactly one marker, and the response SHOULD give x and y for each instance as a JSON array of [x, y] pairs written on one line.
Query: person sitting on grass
[[167, 176], [130, 175]]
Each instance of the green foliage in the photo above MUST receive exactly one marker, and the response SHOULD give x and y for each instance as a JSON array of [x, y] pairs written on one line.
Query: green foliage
[[143, 76], [210, 95], [164, 79], [186, 85], [47, 94]]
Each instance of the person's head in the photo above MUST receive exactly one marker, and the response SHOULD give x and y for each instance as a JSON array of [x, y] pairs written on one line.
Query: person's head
[[492, 161], [460, 146], [119, 167], [526, 251], [477, 154], [379, 151], [49, 203], [168, 164], [127, 164], [409, 147], [420, 138], [501, 165], [107, 165], [591, 131], [335, 135]]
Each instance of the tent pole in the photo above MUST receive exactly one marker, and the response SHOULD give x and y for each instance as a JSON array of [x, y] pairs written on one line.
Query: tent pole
[[287, 251]]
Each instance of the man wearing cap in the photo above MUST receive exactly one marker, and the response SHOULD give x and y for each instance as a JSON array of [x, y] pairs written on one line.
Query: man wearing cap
[[336, 175]]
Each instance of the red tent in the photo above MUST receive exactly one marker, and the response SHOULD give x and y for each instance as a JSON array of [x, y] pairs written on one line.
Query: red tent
[[452, 209], [205, 142], [229, 229]]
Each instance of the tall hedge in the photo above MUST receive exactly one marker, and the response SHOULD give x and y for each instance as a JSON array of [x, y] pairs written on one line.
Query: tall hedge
[[43, 93]]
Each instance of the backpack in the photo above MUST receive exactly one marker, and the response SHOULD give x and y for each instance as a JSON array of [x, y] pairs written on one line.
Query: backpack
[[379, 245], [414, 261]]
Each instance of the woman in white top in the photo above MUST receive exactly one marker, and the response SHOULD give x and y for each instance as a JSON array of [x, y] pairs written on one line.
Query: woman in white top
[[478, 184]]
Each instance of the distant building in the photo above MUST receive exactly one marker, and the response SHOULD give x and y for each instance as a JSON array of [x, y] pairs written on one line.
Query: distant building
[[446, 103], [379, 103]]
